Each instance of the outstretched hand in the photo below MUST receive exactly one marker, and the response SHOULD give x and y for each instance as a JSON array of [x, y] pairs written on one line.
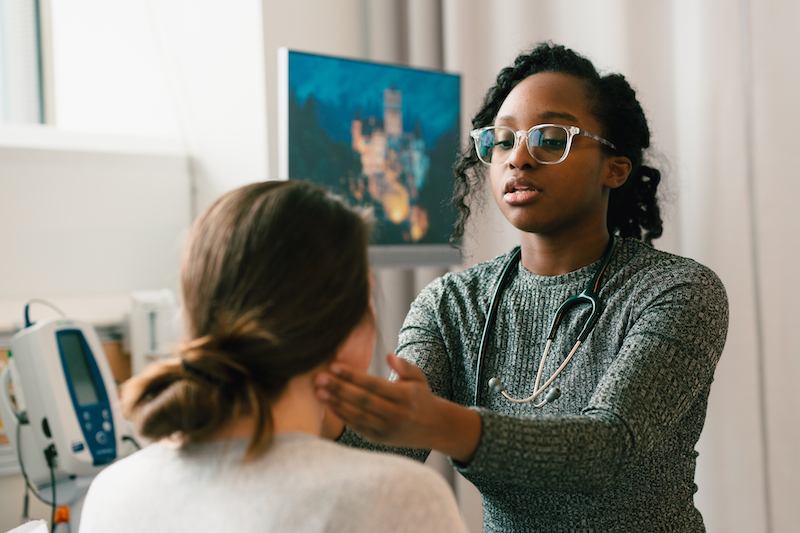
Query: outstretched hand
[[400, 413]]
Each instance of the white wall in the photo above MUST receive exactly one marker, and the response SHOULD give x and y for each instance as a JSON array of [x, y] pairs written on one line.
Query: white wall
[[187, 76], [192, 70], [212, 58], [86, 219], [107, 69]]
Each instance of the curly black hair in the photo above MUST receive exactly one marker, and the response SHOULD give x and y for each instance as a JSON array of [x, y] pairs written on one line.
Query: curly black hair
[[633, 209]]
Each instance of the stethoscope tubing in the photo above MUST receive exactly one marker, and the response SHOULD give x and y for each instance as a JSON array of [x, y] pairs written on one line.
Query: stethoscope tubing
[[508, 270], [590, 295]]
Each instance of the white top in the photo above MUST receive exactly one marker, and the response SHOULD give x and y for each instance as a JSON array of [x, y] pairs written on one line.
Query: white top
[[302, 484]]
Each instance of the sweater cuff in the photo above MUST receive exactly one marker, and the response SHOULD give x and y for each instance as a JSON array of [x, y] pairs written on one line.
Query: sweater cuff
[[482, 450]]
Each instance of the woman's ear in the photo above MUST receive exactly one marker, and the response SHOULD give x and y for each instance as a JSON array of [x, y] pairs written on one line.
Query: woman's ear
[[619, 167]]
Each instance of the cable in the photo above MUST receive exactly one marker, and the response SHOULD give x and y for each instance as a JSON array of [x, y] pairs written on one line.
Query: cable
[[28, 485], [53, 513], [25, 505], [50, 454], [128, 437], [28, 323]]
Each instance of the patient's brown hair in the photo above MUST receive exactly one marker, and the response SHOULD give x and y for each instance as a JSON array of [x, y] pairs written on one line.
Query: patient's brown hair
[[274, 278]]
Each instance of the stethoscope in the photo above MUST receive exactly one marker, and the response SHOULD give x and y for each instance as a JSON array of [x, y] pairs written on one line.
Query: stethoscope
[[588, 295]]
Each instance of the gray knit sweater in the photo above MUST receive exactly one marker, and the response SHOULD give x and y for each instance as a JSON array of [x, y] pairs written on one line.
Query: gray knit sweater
[[616, 451]]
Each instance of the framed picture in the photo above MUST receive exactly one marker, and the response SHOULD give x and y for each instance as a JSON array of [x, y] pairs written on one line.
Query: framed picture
[[379, 135]]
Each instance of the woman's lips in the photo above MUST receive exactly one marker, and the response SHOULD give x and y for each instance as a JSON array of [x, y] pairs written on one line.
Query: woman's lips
[[519, 194]]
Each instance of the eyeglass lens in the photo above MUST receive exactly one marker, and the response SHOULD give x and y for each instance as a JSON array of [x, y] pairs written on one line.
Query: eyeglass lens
[[546, 144]]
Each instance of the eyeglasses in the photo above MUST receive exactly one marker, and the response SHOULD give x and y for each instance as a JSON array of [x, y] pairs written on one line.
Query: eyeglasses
[[547, 143]]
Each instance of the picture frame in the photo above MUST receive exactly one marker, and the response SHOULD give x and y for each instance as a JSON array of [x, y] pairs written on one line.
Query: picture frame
[[381, 136]]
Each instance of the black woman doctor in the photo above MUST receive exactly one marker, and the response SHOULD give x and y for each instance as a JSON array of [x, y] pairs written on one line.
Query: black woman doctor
[[606, 445]]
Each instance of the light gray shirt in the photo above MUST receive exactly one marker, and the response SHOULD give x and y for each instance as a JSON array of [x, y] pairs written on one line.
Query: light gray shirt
[[302, 484]]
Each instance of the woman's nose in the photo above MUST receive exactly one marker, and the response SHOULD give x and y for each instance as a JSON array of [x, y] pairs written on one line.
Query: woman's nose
[[520, 155]]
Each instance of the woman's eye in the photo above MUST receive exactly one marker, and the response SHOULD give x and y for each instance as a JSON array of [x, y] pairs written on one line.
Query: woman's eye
[[501, 140], [504, 144], [553, 144]]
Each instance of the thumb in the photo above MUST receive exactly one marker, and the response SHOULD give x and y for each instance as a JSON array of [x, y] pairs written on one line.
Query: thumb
[[404, 370]]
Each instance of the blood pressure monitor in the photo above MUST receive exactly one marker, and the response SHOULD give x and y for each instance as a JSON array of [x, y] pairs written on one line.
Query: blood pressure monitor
[[67, 408]]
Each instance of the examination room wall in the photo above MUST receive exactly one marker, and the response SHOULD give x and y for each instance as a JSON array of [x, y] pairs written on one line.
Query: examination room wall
[[718, 80]]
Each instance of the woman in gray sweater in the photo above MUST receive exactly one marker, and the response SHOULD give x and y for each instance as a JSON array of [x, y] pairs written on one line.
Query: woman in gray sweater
[[608, 444]]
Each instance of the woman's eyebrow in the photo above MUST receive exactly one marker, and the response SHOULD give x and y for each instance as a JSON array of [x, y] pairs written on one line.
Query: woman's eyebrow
[[549, 115], [544, 117]]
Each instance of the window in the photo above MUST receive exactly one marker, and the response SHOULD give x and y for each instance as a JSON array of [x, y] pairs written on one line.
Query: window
[[21, 87]]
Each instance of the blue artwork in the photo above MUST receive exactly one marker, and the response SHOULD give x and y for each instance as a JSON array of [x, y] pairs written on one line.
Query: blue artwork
[[380, 135]]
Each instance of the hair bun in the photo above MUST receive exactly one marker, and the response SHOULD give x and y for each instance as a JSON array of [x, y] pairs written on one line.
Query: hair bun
[[208, 359], [230, 355]]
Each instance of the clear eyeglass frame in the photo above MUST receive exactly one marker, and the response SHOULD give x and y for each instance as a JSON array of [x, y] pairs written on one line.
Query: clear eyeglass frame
[[571, 132]]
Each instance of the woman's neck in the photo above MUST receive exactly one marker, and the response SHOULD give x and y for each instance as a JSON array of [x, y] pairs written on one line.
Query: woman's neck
[[553, 256], [296, 410]]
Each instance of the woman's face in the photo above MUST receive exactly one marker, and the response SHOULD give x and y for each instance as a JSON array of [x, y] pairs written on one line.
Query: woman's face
[[567, 198]]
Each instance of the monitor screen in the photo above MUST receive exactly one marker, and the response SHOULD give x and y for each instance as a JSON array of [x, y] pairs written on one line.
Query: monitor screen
[[74, 353], [379, 135]]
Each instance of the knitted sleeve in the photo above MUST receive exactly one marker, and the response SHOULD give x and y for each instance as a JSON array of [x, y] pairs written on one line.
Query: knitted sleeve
[[351, 438]]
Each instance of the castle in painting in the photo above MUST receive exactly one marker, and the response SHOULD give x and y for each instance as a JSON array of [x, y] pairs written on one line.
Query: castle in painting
[[394, 165]]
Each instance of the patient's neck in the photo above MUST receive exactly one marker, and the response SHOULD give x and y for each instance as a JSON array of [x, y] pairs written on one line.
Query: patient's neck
[[296, 410]]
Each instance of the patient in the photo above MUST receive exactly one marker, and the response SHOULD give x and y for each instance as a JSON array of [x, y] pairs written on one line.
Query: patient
[[276, 285]]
